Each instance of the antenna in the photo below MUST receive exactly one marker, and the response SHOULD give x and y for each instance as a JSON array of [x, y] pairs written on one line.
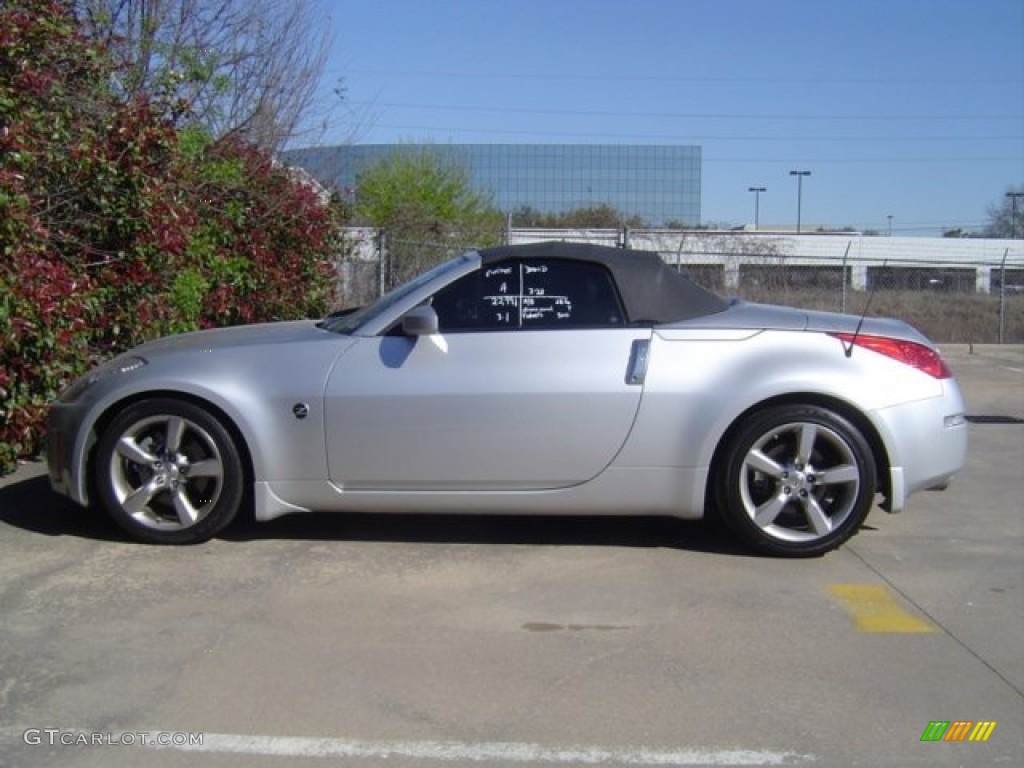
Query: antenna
[[853, 339]]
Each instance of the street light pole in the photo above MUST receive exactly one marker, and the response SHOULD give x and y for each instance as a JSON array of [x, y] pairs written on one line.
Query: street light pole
[[799, 194], [757, 204], [1013, 212]]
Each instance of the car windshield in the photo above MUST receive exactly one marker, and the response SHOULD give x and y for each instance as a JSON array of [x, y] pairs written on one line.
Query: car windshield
[[349, 322]]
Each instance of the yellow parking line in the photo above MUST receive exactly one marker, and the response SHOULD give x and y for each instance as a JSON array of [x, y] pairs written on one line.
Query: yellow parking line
[[875, 609]]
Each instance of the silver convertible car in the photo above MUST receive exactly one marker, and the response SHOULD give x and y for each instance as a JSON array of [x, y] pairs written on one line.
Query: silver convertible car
[[549, 378]]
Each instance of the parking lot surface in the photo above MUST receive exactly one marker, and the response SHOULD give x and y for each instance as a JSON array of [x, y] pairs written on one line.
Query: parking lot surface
[[457, 641]]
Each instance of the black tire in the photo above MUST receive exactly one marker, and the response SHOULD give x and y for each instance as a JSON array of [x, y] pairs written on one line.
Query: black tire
[[795, 481], [168, 472]]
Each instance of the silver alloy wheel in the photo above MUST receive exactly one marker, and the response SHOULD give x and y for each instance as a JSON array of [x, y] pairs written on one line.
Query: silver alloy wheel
[[799, 482], [167, 472]]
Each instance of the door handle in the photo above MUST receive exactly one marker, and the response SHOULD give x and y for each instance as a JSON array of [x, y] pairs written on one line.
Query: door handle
[[638, 355]]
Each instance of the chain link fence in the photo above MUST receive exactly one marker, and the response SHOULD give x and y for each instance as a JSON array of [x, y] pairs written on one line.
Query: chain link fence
[[951, 301], [375, 261], [964, 294], [941, 300]]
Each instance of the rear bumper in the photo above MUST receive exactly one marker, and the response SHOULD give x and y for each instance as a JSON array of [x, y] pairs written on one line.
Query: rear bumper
[[927, 444]]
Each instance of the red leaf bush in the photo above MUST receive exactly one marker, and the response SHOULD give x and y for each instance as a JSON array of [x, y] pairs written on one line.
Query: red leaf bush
[[118, 223]]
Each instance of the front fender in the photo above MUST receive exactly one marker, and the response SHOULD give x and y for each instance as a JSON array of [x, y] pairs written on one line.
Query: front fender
[[257, 391]]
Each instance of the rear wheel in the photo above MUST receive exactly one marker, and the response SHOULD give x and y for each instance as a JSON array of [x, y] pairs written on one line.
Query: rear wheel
[[168, 472], [796, 481]]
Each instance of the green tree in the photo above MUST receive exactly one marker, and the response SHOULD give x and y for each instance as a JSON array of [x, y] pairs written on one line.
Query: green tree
[[426, 207]]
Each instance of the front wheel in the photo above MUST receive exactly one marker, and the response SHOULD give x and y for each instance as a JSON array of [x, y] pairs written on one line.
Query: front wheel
[[795, 481], [168, 472]]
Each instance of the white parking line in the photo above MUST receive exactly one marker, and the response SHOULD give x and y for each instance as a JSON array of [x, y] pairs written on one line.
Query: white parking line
[[484, 752]]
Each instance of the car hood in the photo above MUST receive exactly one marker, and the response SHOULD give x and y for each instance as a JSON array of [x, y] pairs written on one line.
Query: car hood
[[236, 336], [769, 317]]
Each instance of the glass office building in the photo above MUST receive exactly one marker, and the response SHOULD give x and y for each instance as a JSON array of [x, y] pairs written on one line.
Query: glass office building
[[658, 183]]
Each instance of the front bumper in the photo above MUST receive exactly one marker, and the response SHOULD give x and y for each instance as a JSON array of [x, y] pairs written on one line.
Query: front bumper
[[66, 448]]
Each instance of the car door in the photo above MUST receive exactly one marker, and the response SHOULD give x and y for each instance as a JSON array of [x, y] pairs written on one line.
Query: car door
[[532, 383]]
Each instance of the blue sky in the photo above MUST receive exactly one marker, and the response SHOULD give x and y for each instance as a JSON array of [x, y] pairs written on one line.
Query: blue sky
[[902, 108]]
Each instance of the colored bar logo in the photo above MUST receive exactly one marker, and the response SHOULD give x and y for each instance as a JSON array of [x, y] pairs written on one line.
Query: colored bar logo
[[958, 730]]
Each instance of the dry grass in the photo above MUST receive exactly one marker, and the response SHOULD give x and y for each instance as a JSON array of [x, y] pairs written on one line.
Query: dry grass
[[943, 317]]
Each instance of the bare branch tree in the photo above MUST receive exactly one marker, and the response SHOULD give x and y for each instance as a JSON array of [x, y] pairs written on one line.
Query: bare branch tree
[[1004, 217], [249, 67]]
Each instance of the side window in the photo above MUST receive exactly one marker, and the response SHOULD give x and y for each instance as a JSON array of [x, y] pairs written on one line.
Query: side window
[[530, 294]]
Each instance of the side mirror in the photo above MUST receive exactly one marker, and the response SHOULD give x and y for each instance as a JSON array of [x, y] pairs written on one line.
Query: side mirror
[[420, 321]]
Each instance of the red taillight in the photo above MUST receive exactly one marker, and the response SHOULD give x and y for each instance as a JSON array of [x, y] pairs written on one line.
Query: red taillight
[[908, 352]]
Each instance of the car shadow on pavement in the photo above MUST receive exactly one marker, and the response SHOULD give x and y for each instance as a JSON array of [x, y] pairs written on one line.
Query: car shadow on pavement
[[624, 531], [31, 505]]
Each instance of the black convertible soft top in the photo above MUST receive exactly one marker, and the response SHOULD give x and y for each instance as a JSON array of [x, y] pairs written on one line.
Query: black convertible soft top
[[652, 292]]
